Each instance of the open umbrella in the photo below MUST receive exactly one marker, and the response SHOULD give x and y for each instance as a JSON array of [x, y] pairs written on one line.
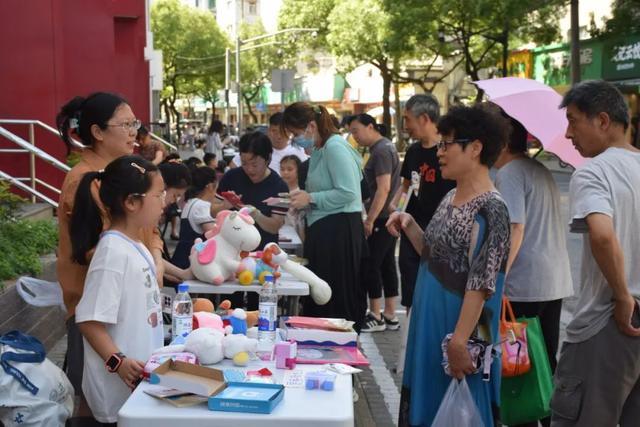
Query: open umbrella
[[535, 105]]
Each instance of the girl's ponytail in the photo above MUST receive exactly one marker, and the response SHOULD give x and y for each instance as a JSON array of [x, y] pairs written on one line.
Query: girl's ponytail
[[86, 219]]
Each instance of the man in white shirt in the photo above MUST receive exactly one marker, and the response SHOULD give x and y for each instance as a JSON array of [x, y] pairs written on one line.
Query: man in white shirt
[[597, 381], [281, 144]]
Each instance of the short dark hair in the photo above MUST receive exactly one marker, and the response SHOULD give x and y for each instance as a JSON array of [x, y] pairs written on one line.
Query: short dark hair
[[517, 142], [424, 103], [208, 157], [256, 143], [597, 96], [292, 158], [477, 122], [200, 178], [276, 119], [175, 175]]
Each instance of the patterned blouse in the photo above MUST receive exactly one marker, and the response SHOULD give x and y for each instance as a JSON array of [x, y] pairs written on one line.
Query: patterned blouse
[[451, 251]]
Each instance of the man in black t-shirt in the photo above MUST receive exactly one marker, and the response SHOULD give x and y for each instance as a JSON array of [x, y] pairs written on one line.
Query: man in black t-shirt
[[420, 118], [251, 184]]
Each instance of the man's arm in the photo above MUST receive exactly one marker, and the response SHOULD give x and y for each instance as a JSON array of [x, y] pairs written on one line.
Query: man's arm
[[383, 183], [517, 235], [404, 187], [270, 224], [608, 254]]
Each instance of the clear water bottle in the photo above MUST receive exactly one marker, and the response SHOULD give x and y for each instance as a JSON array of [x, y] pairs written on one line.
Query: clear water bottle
[[182, 313], [268, 308]]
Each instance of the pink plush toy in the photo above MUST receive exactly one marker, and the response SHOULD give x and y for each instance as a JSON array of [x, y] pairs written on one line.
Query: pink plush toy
[[218, 258]]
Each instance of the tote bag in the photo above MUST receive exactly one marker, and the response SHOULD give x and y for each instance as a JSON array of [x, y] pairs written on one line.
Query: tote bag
[[525, 398]]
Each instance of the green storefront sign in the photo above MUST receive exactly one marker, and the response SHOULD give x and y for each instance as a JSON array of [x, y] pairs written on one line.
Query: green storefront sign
[[621, 58], [552, 64]]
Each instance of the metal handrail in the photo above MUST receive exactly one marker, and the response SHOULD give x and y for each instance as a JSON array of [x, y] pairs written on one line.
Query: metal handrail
[[34, 193], [43, 125], [165, 142], [34, 150], [29, 147]]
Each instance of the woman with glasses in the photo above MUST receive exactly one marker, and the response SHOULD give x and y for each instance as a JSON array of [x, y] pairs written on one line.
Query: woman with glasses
[[251, 184], [459, 287], [334, 239], [105, 124]]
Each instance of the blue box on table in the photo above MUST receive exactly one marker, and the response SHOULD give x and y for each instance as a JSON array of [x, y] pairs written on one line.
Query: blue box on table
[[247, 397]]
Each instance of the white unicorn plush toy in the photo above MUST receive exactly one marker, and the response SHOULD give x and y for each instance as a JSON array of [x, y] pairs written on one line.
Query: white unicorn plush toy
[[218, 258]]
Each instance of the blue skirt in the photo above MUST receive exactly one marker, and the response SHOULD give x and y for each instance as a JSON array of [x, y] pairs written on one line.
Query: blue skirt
[[434, 314]]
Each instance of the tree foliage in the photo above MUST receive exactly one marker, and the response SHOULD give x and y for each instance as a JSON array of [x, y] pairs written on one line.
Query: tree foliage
[[186, 35], [625, 19], [478, 32]]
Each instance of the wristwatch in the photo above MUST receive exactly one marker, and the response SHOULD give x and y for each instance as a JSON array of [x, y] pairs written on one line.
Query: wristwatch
[[114, 361]]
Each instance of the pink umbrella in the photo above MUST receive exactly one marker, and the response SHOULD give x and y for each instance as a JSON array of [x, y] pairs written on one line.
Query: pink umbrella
[[535, 105]]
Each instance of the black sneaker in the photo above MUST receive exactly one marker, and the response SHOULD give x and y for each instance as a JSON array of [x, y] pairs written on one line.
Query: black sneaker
[[392, 324], [373, 325]]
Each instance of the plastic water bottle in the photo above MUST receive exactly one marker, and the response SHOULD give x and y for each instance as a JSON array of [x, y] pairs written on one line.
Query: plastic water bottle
[[182, 313], [268, 308]]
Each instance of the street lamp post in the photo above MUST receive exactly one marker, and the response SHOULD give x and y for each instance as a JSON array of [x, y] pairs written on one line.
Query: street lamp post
[[239, 44]]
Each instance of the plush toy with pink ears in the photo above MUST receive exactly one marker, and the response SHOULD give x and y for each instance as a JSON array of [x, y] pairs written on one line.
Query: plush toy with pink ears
[[218, 258]]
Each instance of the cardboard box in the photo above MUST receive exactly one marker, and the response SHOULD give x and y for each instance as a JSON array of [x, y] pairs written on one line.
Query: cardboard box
[[305, 336], [257, 398], [188, 378]]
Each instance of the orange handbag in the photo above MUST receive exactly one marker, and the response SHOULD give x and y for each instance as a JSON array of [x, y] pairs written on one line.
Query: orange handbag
[[513, 337]]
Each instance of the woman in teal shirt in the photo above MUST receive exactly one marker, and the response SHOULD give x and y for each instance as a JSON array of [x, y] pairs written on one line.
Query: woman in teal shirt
[[335, 239]]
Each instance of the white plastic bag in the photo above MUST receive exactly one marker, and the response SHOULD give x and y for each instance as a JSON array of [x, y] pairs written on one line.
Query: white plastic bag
[[40, 293], [458, 408], [48, 399]]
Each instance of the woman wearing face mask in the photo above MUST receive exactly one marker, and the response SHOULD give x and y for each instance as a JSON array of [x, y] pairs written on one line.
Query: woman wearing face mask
[[334, 240]]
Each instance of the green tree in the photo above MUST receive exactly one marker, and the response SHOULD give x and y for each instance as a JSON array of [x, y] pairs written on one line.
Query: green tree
[[192, 47], [478, 33], [625, 19]]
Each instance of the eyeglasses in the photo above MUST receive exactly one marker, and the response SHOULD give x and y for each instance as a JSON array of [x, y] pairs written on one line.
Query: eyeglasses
[[162, 195], [442, 144], [128, 126]]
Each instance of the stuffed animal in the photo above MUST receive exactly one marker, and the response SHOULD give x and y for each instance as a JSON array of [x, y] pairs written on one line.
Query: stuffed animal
[[206, 344], [202, 304], [237, 347], [257, 265], [204, 319], [218, 258], [318, 289]]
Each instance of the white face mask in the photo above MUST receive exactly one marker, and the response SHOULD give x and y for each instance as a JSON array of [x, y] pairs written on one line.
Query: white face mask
[[303, 140]]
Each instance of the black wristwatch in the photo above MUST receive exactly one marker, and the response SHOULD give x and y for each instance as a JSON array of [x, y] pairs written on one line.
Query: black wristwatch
[[114, 361]]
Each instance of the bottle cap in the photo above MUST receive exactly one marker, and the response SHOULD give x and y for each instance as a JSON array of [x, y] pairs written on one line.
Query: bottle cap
[[183, 287], [268, 278]]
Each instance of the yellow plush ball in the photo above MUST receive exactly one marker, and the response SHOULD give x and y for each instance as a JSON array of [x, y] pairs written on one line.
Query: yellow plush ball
[[241, 359], [263, 275], [245, 278]]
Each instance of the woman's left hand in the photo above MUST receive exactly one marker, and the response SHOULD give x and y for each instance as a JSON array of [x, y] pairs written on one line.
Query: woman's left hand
[[300, 199], [460, 363]]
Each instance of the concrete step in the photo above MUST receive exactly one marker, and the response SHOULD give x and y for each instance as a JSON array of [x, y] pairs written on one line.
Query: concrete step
[[35, 211]]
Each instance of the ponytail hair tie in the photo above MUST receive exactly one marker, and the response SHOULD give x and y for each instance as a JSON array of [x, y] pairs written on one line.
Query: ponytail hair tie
[[316, 109], [100, 175]]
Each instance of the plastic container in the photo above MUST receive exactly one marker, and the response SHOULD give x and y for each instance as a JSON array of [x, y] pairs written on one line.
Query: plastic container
[[320, 380], [268, 308], [182, 313]]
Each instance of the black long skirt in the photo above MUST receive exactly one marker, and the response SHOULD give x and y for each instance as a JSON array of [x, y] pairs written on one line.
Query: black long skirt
[[335, 246]]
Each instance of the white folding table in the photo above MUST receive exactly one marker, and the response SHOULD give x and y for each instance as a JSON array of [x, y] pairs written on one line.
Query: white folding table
[[299, 407], [286, 286]]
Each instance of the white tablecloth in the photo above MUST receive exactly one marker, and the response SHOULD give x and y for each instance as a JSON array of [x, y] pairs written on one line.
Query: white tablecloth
[[286, 285], [289, 240], [299, 408]]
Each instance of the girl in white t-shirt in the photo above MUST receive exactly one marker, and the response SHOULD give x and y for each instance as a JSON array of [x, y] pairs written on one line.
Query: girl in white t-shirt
[[119, 313], [196, 216], [289, 167]]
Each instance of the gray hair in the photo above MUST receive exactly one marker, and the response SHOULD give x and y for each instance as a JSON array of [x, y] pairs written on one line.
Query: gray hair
[[424, 103], [593, 97]]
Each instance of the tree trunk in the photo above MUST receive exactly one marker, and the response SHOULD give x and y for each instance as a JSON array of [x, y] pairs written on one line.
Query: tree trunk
[[172, 105], [386, 91], [247, 102], [400, 143], [167, 113]]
